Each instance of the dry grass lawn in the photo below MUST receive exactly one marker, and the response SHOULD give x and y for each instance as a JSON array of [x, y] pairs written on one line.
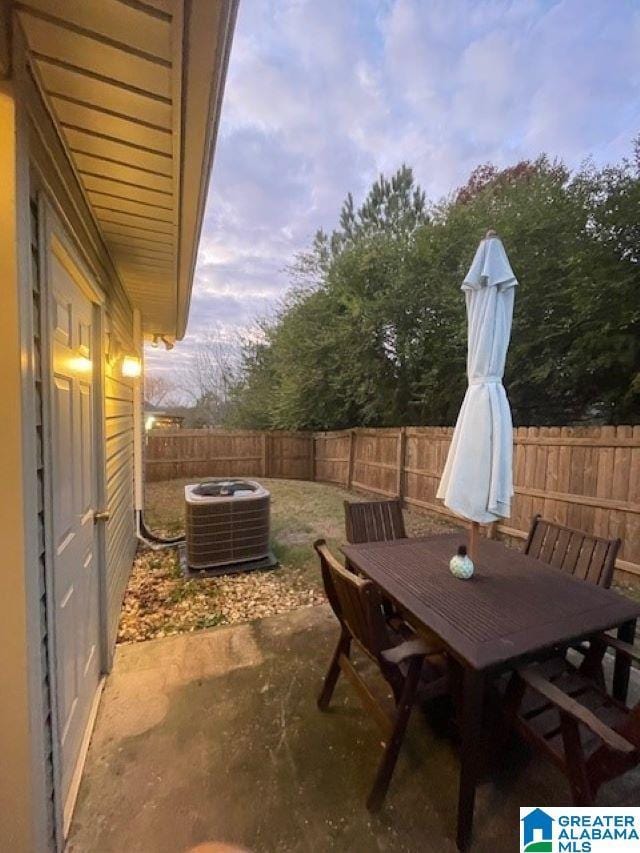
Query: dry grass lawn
[[160, 602]]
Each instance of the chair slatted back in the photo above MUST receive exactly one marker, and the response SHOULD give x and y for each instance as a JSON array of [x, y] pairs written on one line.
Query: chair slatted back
[[588, 558], [356, 602], [374, 521]]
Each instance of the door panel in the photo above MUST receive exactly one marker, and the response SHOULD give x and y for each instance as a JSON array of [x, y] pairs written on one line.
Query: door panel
[[85, 451], [74, 488], [62, 449]]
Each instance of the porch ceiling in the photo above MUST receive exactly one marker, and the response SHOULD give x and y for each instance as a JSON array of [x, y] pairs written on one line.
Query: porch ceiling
[[135, 90]]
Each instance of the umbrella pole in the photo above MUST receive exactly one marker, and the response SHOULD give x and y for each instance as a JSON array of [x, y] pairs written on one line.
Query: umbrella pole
[[473, 540]]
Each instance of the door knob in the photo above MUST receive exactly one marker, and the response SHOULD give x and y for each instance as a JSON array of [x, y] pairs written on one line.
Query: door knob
[[102, 515]]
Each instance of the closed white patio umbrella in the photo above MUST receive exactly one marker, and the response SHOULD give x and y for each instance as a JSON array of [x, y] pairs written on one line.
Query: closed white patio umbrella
[[477, 482]]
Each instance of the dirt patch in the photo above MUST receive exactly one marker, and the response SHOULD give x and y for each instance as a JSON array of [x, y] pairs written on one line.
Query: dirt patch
[[160, 602]]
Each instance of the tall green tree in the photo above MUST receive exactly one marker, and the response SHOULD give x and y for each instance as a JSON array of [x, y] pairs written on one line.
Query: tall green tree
[[373, 331]]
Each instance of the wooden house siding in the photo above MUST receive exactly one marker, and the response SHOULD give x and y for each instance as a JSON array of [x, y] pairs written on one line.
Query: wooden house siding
[[119, 468]]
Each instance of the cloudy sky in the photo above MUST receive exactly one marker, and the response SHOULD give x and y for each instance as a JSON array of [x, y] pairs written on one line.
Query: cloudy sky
[[322, 95]]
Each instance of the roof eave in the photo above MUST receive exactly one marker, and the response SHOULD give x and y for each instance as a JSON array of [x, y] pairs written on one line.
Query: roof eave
[[204, 74]]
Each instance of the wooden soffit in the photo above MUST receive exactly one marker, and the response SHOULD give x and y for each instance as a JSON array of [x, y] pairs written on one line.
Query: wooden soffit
[[135, 90]]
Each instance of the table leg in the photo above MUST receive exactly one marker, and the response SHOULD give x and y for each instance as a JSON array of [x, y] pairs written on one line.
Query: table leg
[[470, 751], [622, 667]]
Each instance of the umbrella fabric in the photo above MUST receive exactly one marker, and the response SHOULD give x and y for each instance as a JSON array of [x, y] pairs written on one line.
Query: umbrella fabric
[[477, 482]]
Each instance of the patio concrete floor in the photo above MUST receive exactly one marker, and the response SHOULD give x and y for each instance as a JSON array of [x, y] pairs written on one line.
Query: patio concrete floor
[[215, 736]]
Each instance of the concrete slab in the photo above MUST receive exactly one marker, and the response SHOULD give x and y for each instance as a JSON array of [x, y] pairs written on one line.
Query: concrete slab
[[215, 737]]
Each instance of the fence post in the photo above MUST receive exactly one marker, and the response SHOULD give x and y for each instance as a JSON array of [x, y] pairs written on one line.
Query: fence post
[[312, 456], [265, 454], [352, 435], [402, 443]]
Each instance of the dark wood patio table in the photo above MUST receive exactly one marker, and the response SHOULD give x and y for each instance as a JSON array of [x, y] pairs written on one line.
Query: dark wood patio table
[[513, 609]]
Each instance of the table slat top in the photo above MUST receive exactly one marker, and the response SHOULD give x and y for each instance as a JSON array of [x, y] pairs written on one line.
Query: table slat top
[[513, 606]]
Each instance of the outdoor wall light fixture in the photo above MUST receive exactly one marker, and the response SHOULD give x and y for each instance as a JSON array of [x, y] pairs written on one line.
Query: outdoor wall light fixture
[[156, 342], [131, 366]]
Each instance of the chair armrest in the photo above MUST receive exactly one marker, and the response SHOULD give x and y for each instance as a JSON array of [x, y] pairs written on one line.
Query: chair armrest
[[625, 649], [565, 704], [409, 649]]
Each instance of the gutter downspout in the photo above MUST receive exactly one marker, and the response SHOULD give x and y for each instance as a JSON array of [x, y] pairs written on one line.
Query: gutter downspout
[[138, 414], [148, 539]]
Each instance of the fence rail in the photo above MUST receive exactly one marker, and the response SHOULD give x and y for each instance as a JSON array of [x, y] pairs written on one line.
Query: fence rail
[[585, 477]]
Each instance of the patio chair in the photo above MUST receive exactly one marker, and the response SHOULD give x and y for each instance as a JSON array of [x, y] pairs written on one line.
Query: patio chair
[[588, 558], [589, 735], [409, 666], [373, 521]]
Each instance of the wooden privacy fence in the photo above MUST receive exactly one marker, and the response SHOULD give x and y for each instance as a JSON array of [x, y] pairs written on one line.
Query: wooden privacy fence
[[585, 477], [228, 453]]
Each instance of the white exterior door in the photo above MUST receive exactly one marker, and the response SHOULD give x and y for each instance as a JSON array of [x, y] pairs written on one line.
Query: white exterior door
[[75, 555]]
